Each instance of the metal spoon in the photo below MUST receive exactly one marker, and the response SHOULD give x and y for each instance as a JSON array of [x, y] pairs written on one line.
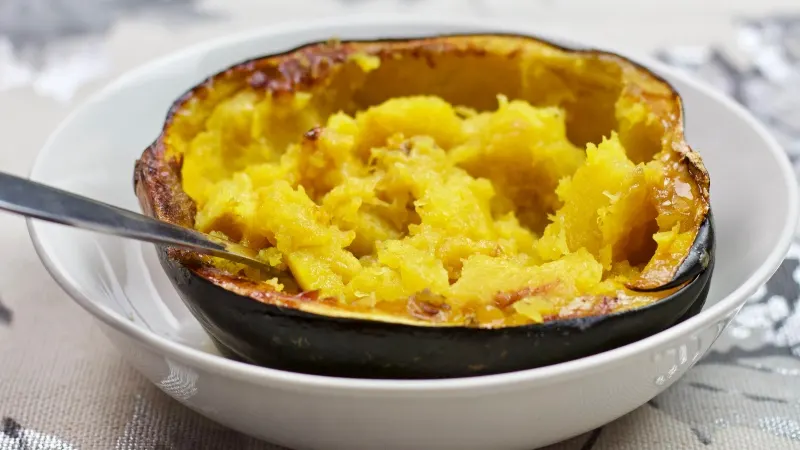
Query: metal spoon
[[36, 200]]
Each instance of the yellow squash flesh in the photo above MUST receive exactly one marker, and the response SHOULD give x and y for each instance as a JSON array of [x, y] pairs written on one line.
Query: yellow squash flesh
[[483, 180]]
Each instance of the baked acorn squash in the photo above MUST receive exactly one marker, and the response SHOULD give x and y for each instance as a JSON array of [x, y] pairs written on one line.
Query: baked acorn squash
[[437, 207]]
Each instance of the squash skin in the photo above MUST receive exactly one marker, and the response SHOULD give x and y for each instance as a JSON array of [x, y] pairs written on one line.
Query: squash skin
[[290, 339], [276, 331]]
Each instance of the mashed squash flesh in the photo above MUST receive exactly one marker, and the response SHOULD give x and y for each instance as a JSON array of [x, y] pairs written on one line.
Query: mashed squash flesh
[[418, 207]]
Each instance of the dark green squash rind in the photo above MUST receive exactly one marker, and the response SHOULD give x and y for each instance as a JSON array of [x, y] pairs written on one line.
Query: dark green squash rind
[[698, 259], [289, 339]]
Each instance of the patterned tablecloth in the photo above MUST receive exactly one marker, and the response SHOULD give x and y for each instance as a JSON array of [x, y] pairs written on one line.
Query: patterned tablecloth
[[62, 386]]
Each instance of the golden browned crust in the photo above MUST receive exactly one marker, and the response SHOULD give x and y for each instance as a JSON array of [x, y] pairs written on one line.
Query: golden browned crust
[[157, 178]]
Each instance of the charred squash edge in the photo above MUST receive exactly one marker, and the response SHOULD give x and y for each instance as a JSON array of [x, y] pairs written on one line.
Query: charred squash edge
[[157, 180]]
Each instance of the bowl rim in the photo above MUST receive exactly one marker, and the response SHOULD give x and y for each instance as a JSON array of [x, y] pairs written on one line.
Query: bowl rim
[[267, 376]]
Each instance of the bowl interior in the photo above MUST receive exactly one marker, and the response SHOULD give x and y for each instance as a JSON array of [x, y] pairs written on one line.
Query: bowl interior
[[94, 151]]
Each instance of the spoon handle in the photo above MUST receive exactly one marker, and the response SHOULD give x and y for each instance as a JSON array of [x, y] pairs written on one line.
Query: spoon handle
[[36, 200]]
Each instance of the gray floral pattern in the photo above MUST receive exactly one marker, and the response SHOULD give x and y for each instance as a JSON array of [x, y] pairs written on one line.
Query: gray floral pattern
[[56, 46], [749, 381], [31, 25], [750, 377], [5, 314], [768, 84], [14, 436]]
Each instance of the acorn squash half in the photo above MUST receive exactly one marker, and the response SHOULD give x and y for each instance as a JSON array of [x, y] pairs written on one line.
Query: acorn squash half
[[437, 207]]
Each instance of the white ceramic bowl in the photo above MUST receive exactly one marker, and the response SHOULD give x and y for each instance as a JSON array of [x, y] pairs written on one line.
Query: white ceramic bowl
[[754, 198]]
